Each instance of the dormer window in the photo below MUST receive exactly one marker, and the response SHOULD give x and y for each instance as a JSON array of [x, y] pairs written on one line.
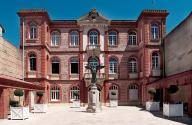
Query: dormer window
[[33, 31], [55, 38]]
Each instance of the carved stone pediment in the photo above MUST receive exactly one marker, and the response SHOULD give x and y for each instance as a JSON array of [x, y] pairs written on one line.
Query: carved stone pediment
[[93, 18]]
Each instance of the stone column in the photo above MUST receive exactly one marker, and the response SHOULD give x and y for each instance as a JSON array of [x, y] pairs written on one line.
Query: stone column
[[4, 102]]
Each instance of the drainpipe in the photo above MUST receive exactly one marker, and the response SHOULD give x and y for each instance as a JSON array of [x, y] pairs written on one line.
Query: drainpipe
[[23, 68]]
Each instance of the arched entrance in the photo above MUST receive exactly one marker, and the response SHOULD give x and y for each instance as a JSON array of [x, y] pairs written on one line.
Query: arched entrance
[[113, 92], [133, 93]]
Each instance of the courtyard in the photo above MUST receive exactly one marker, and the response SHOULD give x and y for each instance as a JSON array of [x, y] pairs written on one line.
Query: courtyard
[[122, 115]]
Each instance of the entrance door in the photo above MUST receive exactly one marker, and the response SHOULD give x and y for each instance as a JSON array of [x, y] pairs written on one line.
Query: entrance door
[[133, 93]]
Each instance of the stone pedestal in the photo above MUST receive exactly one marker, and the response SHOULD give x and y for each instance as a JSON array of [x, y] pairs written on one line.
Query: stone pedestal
[[93, 102]]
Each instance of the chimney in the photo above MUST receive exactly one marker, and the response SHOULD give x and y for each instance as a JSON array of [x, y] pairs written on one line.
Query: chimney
[[1, 31]]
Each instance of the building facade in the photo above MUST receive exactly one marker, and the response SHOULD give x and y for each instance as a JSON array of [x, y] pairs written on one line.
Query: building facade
[[57, 51], [178, 65]]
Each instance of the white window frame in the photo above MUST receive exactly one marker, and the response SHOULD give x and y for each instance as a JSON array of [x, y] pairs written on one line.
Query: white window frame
[[32, 56], [74, 38], [132, 39], [55, 93], [93, 38], [74, 60], [72, 90], [55, 38], [113, 66], [33, 31], [93, 62], [155, 60], [132, 65], [154, 31], [112, 38]]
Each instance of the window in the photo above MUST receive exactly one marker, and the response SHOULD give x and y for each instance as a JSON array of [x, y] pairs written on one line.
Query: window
[[93, 61], [55, 38], [74, 66], [32, 62], [33, 31], [113, 87], [112, 38], [74, 90], [55, 93], [132, 65], [154, 31], [74, 37], [132, 38], [93, 38], [112, 66], [155, 60], [55, 66]]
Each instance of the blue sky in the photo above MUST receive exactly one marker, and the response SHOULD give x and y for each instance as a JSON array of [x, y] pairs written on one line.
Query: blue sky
[[73, 9]]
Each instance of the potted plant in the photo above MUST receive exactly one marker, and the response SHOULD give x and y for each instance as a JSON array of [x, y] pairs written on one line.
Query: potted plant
[[152, 105], [39, 107], [173, 109], [113, 99], [76, 101], [17, 110]]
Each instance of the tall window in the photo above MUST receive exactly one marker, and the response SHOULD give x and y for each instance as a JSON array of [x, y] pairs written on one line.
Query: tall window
[[112, 38], [74, 37], [154, 31], [55, 93], [55, 38], [112, 65], [74, 93], [33, 31], [132, 65], [155, 60], [55, 66], [93, 38], [132, 38], [93, 61], [74, 66], [32, 62]]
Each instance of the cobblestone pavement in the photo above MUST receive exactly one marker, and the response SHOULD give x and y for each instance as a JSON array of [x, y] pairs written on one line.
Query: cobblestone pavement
[[122, 115]]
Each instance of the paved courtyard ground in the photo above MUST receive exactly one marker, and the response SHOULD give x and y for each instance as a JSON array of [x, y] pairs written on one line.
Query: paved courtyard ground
[[122, 115]]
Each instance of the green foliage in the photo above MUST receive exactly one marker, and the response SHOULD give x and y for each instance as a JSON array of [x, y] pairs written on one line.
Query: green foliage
[[152, 91], [18, 92], [172, 89], [113, 93], [40, 93], [14, 103]]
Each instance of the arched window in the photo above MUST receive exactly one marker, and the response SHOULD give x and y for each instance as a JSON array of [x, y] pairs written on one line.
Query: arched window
[[113, 65], [74, 93], [32, 62], [154, 31], [74, 37], [33, 31], [132, 65], [55, 38], [55, 66], [112, 38], [93, 38], [55, 93], [155, 60], [74, 66], [132, 38], [93, 61]]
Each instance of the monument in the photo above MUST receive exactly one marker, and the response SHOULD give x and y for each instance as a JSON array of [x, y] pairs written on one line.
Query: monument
[[93, 102]]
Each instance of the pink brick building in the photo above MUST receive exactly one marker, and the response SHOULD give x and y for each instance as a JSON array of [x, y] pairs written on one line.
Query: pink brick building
[[57, 51]]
